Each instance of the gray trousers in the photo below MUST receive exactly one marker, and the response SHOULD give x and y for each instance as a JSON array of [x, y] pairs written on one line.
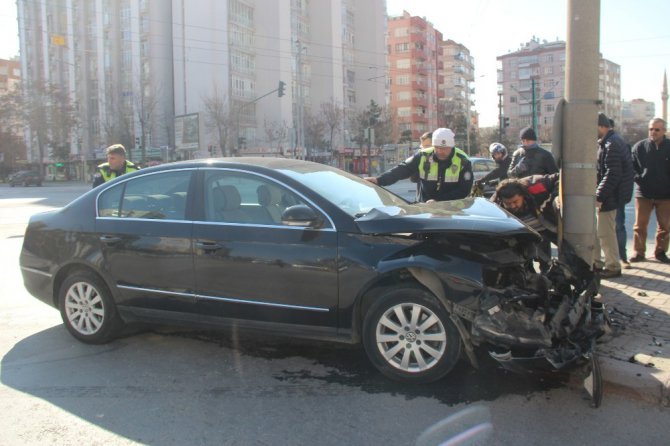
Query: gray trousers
[[606, 240]]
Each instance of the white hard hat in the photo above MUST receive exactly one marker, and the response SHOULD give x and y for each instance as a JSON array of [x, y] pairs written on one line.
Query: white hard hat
[[443, 138]]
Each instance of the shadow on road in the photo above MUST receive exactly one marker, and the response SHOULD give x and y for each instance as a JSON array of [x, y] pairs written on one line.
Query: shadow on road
[[137, 379]]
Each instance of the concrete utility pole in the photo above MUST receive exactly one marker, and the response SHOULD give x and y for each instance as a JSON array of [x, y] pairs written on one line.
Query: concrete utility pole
[[578, 160]]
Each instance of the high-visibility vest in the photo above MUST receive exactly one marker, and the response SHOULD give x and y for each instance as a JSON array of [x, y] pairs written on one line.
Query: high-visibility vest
[[109, 174], [429, 170]]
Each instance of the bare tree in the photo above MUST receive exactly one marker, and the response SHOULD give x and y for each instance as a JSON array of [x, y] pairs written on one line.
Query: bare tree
[[50, 117], [376, 117], [146, 106], [276, 132], [315, 130], [332, 117], [117, 126], [218, 119]]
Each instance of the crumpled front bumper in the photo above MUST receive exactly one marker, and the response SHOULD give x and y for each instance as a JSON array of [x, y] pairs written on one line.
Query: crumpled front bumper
[[547, 326]]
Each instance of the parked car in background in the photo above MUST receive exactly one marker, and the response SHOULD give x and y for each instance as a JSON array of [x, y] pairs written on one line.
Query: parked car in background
[[480, 168], [25, 178], [307, 250]]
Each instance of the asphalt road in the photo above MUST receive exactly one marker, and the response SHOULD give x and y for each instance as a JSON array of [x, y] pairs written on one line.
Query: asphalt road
[[168, 386]]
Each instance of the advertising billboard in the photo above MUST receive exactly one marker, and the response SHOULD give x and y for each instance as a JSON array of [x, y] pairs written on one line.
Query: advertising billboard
[[187, 132]]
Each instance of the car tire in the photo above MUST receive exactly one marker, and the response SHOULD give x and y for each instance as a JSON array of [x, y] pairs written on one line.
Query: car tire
[[409, 336], [87, 308]]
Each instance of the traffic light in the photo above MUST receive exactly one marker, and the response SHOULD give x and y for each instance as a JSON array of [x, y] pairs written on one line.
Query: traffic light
[[280, 89], [137, 141], [505, 122], [209, 149]]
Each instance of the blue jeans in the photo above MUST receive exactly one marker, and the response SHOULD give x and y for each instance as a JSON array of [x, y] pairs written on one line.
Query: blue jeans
[[621, 231]]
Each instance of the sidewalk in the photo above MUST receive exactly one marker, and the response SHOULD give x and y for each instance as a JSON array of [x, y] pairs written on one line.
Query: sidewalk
[[635, 359]]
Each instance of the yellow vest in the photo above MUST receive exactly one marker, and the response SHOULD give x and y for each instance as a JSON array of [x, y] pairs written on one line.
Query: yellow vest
[[109, 174], [430, 172]]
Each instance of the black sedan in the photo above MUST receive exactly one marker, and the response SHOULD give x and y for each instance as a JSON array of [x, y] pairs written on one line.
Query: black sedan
[[25, 178], [303, 249]]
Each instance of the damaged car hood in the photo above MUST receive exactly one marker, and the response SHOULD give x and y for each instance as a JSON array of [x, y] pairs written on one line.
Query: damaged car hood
[[474, 215]]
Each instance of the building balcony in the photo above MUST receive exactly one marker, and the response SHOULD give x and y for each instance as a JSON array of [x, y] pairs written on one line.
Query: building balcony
[[421, 86], [420, 102]]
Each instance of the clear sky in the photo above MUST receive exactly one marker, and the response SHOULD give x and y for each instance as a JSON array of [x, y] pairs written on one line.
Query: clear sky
[[633, 34]]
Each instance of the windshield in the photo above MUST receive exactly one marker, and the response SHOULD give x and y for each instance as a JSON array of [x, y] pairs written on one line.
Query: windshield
[[350, 193]]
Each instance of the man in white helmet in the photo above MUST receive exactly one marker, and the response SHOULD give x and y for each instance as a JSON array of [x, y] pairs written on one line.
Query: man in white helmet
[[444, 171], [502, 159]]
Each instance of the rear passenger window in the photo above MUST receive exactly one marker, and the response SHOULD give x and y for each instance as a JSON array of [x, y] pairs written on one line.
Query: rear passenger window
[[161, 196]]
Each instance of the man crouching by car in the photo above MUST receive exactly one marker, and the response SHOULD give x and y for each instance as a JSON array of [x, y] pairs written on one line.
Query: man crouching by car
[[534, 201]]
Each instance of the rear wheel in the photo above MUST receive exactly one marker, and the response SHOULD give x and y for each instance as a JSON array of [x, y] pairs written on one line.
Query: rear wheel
[[87, 308], [409, 337]]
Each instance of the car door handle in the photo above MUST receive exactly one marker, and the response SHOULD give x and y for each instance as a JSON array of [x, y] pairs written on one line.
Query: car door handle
[[208, 246], [109, 239]]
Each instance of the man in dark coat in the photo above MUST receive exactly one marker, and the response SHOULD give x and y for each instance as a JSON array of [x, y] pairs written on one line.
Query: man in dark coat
[[614, 188], [531, 159], [651, 162]]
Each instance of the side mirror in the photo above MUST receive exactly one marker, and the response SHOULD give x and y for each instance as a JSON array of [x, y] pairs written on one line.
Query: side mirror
[[300, 215]]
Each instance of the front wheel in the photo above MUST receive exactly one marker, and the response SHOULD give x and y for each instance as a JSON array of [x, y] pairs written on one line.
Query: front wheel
[[87, 308], [409, 337]]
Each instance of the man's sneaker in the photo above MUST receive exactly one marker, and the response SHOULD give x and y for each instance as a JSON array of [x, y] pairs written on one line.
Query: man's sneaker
[[637, 258], [609, 273], [662, 257], [625, 264]]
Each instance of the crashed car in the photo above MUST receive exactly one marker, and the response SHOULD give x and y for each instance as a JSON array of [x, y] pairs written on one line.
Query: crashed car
[[307, 250]]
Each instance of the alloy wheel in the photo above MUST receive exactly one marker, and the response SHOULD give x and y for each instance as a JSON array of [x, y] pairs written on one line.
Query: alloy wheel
[[84, 308], [411, 337]]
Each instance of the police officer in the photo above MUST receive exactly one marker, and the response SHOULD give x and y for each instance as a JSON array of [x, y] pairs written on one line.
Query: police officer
[[115, 166], [444, 171]]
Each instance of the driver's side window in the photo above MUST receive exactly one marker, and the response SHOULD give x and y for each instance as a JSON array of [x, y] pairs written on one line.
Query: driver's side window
[[235, 197]]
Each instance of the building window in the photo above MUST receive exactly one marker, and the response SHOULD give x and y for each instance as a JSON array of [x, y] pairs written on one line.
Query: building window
[[512, 99], [402, 79], [402, 64], [401, 32], [404, 96], [404, 111], [402, 47], [549, 70]]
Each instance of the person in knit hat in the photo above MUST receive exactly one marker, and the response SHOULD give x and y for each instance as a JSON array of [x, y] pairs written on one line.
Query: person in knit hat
[[530, 158]]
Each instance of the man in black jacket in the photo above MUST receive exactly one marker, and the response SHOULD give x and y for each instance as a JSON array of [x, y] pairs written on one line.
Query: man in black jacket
[[615, 186], [531, 159], [651, 162]]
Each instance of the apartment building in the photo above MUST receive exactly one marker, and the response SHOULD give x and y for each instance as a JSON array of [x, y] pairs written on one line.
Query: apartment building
[[130, 67], [457, 88], [324, 52], [11, 129], [10, 75], [636, 115], [415, 55], [112, 59], [532, 82]]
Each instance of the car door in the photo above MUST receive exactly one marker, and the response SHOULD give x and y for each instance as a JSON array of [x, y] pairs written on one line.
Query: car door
[[250, 266], [145, 243]]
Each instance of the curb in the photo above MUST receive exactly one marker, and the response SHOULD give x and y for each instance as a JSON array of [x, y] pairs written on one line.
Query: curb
[[636, 380]]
